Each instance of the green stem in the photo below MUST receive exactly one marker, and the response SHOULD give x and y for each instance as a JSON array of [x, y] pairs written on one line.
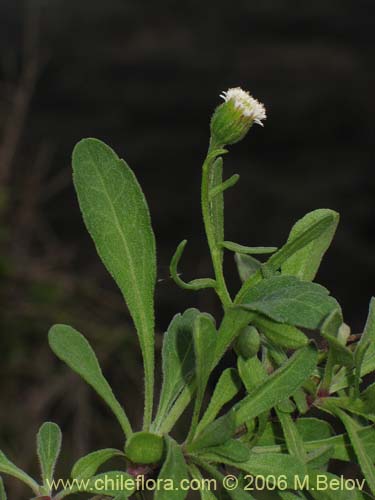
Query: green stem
[[215, 249]]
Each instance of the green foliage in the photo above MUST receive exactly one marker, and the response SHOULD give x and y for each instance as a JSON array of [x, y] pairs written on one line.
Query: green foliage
[[116, 215], [267, 412], [48, 448], [72, 348], [174, 468], [87, 466]]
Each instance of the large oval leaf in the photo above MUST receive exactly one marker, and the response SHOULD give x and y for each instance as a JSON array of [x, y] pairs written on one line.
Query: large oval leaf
[[117, 217]]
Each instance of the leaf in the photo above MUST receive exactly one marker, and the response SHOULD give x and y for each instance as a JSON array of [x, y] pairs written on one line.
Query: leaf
[[117, 217], [196, 284], [241, 249], [7, 467], [3, 495], [173, 471], [311, 428], [286, 299], [367, 339], [205, 335], [278, 386], [280, 334], [48, 447], [272, 465], [178, 361], [206, 494], [341, 355], [365, 461], [308, 235], [305, 263], [246, 265], [215, 434], [226, 388], [72, 348], [232, 450], [252, 372], [88, 465], [293, 439]]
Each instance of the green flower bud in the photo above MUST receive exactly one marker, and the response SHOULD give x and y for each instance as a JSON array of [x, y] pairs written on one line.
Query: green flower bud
[[232, 120], [144, 448], [248, 342]]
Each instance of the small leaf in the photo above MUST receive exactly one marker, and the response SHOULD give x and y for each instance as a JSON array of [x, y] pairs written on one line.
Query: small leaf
[[341, 355], [311, 233], [178, 361], [271, 465], [173, 471], [241, 249], [48, 447], [305, 263], [117, 217], [72, 348], [206, 494], [197, 284], [3, 495], [215, 434], [7, 467], [367, 339], [252, 372], [226, 388], [312, 428], [365, 461], [280, 334], [246, 266], [278, 386], [88, 465], [286, 299], [232, 450], [293, 439], [204, 347]]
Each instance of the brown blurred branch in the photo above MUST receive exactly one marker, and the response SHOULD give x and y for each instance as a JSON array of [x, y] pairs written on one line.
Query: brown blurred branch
[[23, 93]]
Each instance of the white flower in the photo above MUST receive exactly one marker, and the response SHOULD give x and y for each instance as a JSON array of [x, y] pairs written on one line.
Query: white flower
[[249, 106]]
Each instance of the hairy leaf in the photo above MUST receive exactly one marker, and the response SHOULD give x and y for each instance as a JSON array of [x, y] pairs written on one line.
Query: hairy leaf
[[88, 465], [305, 263], [48, 447], [281, 384], [7, 467], [117, 217], [3, 495], [72, 348], [175, 470], [178, 361], [246, 265], [286, 299], [226, 388], [280, 334]]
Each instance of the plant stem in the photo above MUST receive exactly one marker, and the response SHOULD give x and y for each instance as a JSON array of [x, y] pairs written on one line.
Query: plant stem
[[215, 250]]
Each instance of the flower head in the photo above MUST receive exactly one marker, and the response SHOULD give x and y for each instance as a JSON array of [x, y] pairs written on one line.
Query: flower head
[[232, 120], [246, 103]]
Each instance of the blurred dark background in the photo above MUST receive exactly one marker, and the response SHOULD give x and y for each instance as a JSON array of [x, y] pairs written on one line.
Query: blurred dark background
[[145, 77]]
